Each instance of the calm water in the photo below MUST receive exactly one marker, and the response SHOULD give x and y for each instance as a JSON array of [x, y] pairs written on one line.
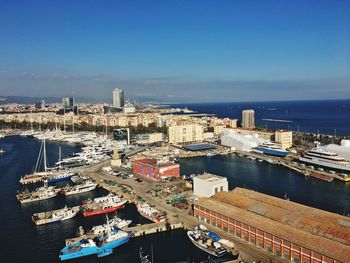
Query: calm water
[[22, 241], [327, 117], [274, 180]]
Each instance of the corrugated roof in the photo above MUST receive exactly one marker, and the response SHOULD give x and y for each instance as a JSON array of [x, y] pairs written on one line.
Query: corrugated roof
[[324, 232]]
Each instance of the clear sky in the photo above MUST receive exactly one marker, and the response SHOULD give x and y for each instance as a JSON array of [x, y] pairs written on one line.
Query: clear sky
[[176, 50]]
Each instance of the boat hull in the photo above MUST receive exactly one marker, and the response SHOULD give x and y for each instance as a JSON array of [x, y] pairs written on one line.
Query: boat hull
[[91, 188], [83, 252], [103, 211], [204, 248], [60, 179], [25, 201]]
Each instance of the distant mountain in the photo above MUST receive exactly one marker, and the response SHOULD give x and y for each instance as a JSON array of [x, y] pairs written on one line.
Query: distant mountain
[[32, 100]]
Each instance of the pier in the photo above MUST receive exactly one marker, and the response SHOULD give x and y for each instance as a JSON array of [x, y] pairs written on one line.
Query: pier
[[148, 229]]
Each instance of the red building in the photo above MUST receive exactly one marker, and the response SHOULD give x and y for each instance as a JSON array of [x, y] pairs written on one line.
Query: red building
[[153, 169]]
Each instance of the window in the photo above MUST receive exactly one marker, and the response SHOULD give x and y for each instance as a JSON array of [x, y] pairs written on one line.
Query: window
[[221, 188], [216, 189]]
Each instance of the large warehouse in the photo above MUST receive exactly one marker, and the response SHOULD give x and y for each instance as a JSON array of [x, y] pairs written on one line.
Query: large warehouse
[[292, 231]]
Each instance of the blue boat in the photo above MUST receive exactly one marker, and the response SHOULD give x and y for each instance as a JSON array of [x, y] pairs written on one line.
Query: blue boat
[[101, 245], [270, 149], [63, 176]]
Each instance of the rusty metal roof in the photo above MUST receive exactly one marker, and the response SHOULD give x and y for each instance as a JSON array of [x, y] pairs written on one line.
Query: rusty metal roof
[[324, 232]]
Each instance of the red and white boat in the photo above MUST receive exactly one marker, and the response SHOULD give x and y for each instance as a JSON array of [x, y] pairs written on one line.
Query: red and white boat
[[151, 213], [103, 205]]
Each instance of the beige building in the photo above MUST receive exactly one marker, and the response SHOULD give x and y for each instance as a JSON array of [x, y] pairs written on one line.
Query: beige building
[[248, 119], [285, 138], [218, 129], [185, 133]]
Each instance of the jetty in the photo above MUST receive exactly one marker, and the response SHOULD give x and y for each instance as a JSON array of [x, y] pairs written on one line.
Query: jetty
[[148, 229]]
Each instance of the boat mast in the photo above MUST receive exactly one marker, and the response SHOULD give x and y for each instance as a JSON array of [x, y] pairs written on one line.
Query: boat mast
[[45, 161], [60, 155]]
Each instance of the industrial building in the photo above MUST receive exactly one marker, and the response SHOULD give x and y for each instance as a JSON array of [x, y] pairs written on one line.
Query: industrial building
[[248, 119], [206, 185], [156, 170], [185, 133], [289, 230], [284, 138]]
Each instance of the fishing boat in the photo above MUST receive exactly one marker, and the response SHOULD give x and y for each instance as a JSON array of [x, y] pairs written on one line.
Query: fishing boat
[[41, 193], [84, 187], [55, 215], [151, 213], [101, 245], [206, 241], [102, 205]]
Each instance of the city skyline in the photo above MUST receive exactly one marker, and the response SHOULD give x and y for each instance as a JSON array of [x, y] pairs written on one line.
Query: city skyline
[[177, 52]]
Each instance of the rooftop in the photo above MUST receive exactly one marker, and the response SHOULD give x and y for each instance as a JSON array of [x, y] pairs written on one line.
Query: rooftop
[[210, 177], [324, 232], [199, 147]]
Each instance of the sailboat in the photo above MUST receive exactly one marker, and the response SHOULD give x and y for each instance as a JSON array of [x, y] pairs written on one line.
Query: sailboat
[[37, 176]]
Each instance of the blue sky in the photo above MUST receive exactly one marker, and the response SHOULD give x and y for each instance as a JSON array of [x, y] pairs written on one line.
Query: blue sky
[[176, 50]]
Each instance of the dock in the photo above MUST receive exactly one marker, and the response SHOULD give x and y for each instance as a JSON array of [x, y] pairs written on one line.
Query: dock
[[143, 230]]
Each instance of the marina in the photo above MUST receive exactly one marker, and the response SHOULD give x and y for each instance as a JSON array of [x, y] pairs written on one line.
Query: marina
[[146, 230]]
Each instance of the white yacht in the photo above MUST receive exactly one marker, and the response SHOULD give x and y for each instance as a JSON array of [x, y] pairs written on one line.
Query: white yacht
[[320, 157], [84, 187]]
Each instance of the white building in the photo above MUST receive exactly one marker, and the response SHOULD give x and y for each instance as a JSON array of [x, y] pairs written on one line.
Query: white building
[[129, 108], [206, 185]]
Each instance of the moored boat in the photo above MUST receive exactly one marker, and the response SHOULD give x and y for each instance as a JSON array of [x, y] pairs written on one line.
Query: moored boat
[[41, 193], [151, 213], [103, 205], [55, 215], [60, 176], [115, 222], [206, 241], [84, 187], [100, 245]]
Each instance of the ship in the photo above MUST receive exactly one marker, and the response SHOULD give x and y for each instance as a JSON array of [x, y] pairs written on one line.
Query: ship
[[55, 215], [102, 205], [100, 245], [115, 222], [41, 193], [206, 241], [60, 176], [84, 187], [331, 160], [269, 148], [151, 213]]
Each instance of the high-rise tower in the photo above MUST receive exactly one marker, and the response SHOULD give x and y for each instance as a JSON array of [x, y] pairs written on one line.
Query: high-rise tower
[[118, 98], [248, 119]]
